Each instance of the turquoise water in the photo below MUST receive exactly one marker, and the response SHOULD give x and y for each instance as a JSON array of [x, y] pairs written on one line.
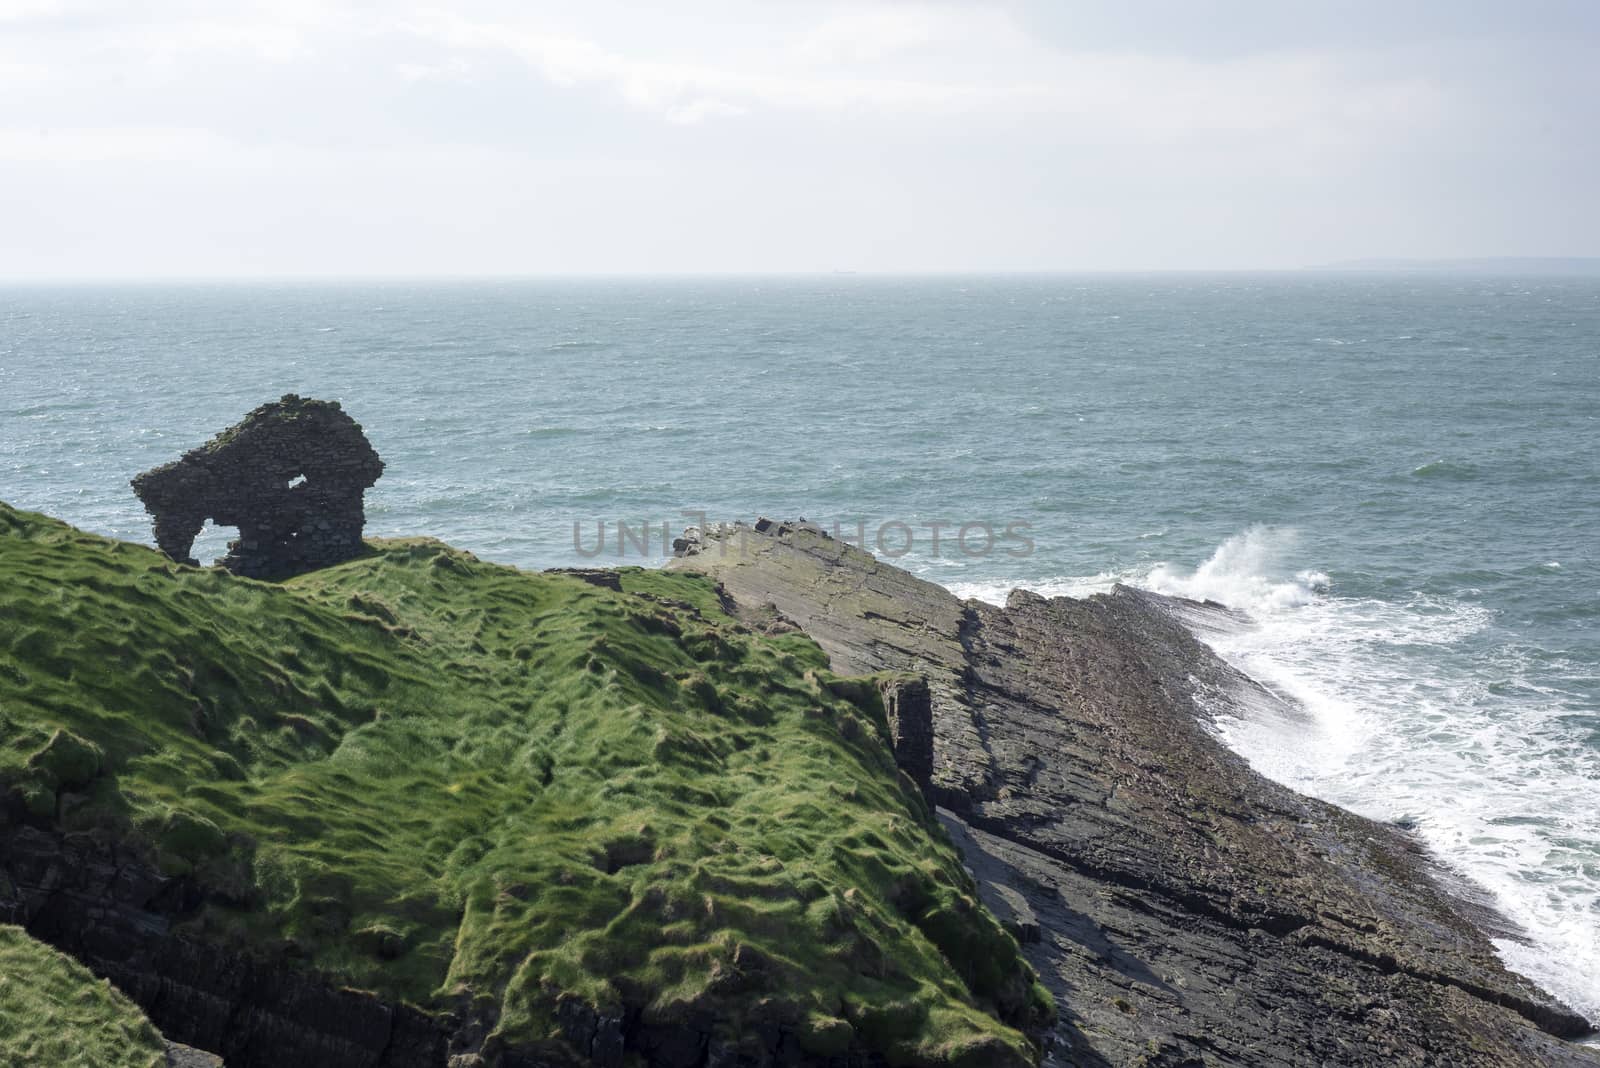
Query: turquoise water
[[1397, 478]]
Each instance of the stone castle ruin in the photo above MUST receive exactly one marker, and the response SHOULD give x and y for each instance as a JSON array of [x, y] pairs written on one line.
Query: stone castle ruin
[[290, 475]]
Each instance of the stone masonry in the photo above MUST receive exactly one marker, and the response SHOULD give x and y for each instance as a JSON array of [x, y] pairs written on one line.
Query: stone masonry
[[291, 476]]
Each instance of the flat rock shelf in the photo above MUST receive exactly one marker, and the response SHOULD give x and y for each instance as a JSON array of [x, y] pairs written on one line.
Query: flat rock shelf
[[1182, 909]]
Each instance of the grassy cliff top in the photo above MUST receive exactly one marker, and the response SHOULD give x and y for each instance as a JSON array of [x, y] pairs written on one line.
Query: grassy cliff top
[[52, 1011], [448, 781]]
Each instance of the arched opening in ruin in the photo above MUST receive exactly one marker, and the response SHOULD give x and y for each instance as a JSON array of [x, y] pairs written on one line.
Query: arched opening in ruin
[[257, 474], [211, 544]]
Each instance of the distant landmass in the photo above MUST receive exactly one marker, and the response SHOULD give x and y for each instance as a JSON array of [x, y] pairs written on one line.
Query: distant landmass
[[1482, 265]]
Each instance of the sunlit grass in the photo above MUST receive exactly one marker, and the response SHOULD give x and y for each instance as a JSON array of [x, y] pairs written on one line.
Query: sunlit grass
[[433, 777], [54, 1012]]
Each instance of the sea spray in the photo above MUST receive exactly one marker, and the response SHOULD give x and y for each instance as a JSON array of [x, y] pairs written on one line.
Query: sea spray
[[1403, 723]]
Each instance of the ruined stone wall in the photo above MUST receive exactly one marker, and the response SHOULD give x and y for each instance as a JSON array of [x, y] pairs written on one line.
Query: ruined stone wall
[[291, 476]]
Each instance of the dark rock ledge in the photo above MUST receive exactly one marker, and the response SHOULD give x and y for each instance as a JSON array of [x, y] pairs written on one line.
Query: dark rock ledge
[[114, 911], [1183, 909]]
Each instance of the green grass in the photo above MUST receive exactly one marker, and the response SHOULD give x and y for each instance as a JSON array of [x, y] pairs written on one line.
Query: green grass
[[437, 779], [53, 1011]]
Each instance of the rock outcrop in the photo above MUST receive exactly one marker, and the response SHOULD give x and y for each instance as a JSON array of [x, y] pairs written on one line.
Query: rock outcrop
[[1183, 909], [909, 707], [291, 476], [111, 909]]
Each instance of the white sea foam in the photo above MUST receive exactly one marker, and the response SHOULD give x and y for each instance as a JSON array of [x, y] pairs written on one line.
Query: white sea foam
[[1060, 586], [1409, 719]]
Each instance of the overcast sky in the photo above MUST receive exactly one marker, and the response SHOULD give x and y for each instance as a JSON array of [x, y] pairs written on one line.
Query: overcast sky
[[315, 137]]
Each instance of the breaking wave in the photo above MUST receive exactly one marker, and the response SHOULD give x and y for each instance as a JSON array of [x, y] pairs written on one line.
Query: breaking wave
[[1420, 710]]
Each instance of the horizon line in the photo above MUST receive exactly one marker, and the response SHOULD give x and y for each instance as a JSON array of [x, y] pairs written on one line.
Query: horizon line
[[1372, 265]]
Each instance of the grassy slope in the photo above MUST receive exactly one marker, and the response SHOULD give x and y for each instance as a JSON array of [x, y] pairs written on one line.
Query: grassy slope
[[52, 1011], [434, 778]]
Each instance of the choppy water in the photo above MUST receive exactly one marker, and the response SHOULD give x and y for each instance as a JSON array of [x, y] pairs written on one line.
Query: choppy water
[[1398, 478]]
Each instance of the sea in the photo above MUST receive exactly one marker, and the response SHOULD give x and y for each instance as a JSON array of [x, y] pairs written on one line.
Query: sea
[[1394, 478]]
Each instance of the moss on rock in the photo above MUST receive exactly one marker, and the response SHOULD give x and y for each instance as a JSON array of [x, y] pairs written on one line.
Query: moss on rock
[[525, 790]]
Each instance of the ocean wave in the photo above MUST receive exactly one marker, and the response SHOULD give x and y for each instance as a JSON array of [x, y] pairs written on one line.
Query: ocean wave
[[995, 593], [1411, 714], [1240, 574], [1407, 722]]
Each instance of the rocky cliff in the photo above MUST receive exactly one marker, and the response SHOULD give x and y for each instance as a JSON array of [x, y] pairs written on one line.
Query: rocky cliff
[[418, 810], [1183, 909]]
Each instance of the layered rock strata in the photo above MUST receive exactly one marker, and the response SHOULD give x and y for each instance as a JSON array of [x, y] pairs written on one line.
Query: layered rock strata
[[1183, 909]]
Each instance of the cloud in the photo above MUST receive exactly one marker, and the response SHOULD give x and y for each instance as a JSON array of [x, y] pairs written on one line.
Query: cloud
[[16, 76], [689, 92], [719, 132], [875, 33], [28, 10], [452, 70], [977, 66], [87, 144], [966, 63]]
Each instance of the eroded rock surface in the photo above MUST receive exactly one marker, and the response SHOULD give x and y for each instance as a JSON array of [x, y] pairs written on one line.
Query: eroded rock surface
[[908, 706], [110, 908], [181, 1056], [291, 476], [1183, 909]]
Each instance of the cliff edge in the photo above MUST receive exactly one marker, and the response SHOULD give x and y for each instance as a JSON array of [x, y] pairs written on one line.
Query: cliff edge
[[1183, 909]]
